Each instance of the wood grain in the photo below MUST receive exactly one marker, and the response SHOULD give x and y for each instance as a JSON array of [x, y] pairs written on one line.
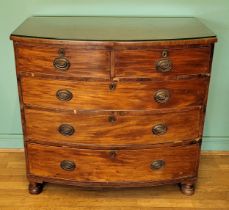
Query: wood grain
[[210, 192], [128, 130], [127, 95], [142, 63], [100, 166], [40, 58]]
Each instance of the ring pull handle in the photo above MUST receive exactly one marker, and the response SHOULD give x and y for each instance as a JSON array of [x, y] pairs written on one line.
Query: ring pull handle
[[159, 129], [61, 63], [161, 96], [157, 164], [64, 95], [67, 165], [66, 130], [164, 64]]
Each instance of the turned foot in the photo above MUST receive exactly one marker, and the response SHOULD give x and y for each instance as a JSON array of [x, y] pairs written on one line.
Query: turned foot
[[187, 189], [35, 188]]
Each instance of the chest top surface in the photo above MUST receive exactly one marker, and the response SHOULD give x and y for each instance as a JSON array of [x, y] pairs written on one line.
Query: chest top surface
[[112, 28]]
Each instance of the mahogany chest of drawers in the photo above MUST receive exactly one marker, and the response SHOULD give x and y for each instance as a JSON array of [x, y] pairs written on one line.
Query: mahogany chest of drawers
[[113, 101]]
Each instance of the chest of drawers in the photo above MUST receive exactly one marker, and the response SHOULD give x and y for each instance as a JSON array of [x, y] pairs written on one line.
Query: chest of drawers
[[113, 102]]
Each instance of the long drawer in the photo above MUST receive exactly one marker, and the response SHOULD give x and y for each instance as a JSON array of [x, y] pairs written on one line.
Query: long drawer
[[107, 129], [91, 95], [144, 165]]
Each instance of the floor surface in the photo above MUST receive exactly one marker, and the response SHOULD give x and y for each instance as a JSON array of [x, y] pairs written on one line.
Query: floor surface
[[212, 191]]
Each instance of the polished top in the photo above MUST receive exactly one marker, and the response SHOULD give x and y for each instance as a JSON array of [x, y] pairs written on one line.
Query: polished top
[[112, 28]]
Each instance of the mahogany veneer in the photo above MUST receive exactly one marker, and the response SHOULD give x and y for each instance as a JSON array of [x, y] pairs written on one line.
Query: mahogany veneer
[[112, 167], [121, 105], [92, 95], [127, 128]]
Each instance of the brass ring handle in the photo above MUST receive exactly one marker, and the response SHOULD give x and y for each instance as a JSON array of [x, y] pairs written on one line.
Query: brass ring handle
[[64, 95], [112, 86], [61, 63], [67, 165], [66, 130], [157, 164], [159, 129], [112, 119], [162, 96], [164, 65]]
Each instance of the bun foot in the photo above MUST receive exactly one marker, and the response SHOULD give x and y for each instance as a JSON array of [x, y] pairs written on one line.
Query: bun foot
[[35, 188], [187, 189]]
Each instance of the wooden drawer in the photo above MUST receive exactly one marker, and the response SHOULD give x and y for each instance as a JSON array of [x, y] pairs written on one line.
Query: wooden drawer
[[121, 129], [144, 165], [92, 95], [156, 63], [71, 61]]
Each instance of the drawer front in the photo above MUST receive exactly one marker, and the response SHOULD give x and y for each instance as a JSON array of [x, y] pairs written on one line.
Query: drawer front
[[144, 165], [161, 62], [63, 61], [125, 96], [125, 129]]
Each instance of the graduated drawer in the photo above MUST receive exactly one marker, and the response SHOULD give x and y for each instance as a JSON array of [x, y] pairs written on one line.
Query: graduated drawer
[[133, 95], [107, 129], [113, 166], [61, 60], [161, 62]]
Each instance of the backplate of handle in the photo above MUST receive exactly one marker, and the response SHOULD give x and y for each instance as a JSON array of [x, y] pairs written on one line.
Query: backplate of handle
[[161, 96], [66, 130], [159, 129], [67, 165], [61, 63], [164, 65], [64, 95], [157, 164]]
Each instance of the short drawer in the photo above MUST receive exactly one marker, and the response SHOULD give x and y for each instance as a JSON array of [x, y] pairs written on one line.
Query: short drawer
[[162, 62], [107, 129], [90, 95], [107, 166], [61, 60]]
